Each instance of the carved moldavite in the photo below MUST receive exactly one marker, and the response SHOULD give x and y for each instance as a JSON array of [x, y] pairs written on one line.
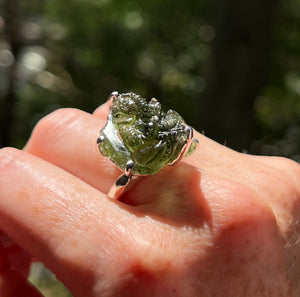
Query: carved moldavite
[[140, 135]]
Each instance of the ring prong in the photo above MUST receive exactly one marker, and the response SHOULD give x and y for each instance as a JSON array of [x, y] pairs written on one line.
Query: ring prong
[[122, 181], [111, 97], [129, 167], [190, 130], [153, 100], [100, 139], [119, 186]]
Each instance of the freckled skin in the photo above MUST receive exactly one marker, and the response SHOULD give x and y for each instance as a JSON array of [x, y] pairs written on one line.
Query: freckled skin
[[219, 223], [145, 134]]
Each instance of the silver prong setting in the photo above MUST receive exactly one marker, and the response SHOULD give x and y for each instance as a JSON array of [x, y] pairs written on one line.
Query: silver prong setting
[[129, 167], [119, 186], [100, 139], [190, 139], [140, 138], [153, 100], [113, 96], [190, 130]]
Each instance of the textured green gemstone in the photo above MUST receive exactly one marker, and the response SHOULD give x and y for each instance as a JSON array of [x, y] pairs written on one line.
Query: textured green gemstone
[[140, 131]]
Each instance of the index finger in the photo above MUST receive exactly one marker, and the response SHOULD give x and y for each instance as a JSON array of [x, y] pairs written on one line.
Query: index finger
[[67, 138], [65, 223]]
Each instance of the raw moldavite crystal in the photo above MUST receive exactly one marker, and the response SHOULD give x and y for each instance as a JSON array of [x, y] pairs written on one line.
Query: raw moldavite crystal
[[140, 131]]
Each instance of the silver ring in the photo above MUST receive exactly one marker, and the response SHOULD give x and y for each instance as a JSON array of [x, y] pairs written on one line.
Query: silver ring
[[141, 139]]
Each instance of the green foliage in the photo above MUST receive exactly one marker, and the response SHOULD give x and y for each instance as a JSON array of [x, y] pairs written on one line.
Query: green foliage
[[277, 108], [82, 50], [46, 282], [75, 53]]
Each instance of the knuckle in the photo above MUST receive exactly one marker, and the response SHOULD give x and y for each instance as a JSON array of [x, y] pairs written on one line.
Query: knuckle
[[290, 168], [7, 151], [254, 209], [7, 157], [250, 217], [290, 165], [242, 205], [281, 182], [51, 127], [56, 119]]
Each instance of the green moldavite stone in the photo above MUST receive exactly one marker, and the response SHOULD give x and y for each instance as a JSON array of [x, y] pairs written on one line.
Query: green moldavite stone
[[140, 131]]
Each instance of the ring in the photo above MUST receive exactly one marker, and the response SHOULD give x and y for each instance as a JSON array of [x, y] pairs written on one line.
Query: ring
[[141, 139]]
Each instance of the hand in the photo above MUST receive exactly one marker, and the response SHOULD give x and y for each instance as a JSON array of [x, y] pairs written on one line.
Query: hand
[[218, 223]]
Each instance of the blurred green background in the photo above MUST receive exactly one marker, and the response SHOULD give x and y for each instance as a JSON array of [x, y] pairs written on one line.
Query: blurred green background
[[230, 67]]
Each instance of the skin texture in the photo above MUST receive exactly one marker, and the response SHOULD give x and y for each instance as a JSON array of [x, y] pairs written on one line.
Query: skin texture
[[218, 223]]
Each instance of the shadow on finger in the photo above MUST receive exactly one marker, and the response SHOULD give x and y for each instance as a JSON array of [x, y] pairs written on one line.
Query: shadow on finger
[[173, 195]]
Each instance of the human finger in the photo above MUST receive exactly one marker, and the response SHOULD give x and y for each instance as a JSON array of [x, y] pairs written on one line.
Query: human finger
[[13, 284], [13, 257], [209, 154], [60, 220], [102, 111], [67, 138], [14, 269], [79, 234]]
